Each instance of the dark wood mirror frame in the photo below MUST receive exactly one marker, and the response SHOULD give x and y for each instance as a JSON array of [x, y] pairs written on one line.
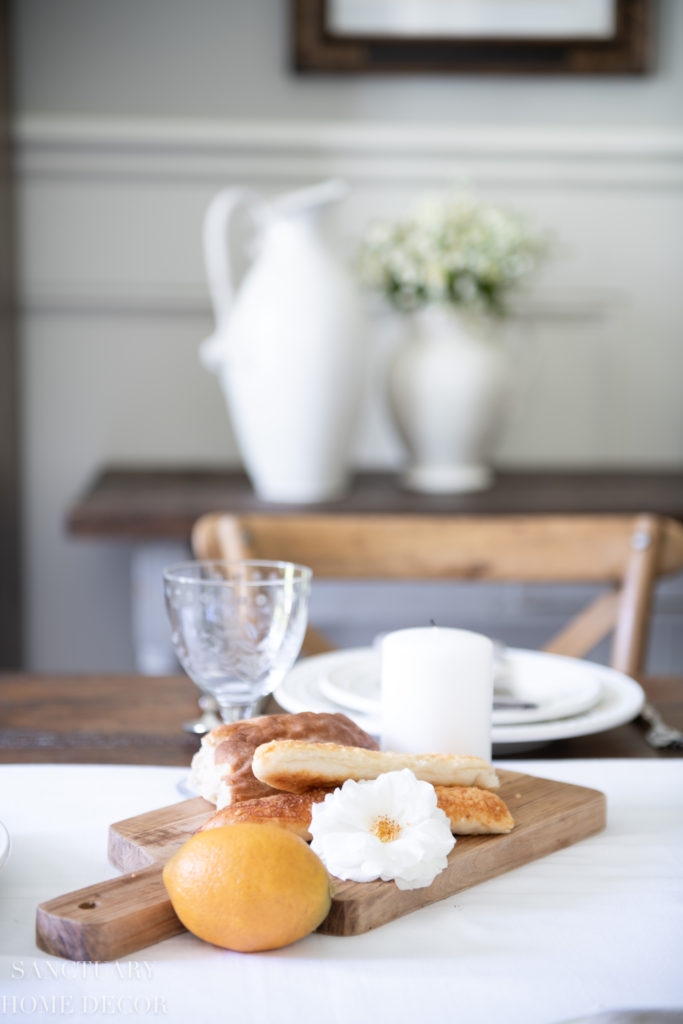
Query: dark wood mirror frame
[[317, 49]]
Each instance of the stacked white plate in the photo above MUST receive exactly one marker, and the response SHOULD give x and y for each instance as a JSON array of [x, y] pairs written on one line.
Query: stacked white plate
[[566, 696]]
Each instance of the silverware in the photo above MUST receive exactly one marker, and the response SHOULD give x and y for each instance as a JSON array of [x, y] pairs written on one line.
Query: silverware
[[501, 702], [505, 701], [660, 735]]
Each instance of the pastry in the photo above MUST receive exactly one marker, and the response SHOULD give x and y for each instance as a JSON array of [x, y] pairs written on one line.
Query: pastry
[[471, 811], [289, 810], [296, 766], [222, 767]]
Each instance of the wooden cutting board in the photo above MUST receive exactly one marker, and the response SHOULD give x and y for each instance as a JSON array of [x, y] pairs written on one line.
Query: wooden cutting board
[[123, 915]]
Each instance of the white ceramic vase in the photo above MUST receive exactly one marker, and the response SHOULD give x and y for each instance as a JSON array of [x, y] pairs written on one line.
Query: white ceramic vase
[[448, 387], [289, 346]]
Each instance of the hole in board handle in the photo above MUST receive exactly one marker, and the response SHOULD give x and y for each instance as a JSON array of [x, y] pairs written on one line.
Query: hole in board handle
[[88, 904]]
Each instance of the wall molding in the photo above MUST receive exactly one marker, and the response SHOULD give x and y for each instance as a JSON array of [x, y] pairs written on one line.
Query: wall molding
[[191, 159], [570, 305], [276, 151]]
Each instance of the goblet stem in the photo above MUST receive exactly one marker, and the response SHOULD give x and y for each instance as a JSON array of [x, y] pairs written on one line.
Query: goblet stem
[[208, 719], [236, 712]]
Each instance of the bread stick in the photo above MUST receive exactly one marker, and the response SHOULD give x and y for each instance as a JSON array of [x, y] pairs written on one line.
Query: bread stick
[[295, 766]]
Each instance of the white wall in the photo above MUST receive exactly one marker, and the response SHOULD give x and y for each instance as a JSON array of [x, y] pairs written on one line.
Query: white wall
[[130, 115], [230, 59]]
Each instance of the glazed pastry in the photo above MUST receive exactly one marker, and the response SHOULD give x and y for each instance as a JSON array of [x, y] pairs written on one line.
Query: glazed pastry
[[222, 767], [289, 810]]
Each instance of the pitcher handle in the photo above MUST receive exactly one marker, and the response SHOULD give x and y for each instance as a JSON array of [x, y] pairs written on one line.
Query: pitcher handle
[[217, 228]]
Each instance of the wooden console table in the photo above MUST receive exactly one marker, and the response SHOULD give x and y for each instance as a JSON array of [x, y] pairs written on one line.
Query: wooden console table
[[154, 503]]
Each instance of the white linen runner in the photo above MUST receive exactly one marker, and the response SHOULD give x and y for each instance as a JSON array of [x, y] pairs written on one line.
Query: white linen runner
[[595, 927]]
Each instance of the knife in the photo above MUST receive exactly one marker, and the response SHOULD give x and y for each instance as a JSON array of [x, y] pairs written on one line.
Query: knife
[[500, 703]]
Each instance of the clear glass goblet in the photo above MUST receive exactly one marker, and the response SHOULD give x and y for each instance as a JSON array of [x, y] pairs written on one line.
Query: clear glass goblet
[[237, 627]]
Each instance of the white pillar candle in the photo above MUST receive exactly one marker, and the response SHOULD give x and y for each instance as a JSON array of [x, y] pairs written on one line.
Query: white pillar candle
[[437, 691]]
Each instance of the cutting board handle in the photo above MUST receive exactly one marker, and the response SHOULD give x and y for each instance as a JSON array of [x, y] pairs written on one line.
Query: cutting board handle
[[110, 920]]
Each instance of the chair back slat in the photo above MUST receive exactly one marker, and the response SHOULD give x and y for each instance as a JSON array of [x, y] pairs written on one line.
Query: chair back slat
[[540, 548], [585, 631], [628, 553]]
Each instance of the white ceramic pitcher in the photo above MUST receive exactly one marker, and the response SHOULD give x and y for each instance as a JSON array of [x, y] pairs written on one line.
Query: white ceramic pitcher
[[289, 345]]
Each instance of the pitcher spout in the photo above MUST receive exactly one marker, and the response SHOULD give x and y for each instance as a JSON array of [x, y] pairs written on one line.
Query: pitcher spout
[[314, 196]]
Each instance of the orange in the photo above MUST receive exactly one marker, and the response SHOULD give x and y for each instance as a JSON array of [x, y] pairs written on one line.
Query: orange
[[248, 887]]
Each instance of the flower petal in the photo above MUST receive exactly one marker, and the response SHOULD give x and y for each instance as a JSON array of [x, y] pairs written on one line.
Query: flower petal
[[348, 845]]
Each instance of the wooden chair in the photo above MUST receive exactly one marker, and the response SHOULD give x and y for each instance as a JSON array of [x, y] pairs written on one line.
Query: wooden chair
[[629, 553]]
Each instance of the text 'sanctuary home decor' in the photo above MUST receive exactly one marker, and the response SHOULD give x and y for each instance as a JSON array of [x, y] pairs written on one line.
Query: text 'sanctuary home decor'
[[289, 345], [449, 268]]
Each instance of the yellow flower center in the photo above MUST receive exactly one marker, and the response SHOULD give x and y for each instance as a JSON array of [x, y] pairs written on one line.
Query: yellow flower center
[[386, 829]]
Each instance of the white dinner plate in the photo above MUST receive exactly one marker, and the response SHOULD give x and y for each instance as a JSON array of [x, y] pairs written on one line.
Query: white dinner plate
[[4, 844], [351, 679], [619, 697]]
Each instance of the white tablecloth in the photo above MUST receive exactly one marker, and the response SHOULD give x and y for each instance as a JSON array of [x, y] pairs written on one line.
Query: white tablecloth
[[594, 927]]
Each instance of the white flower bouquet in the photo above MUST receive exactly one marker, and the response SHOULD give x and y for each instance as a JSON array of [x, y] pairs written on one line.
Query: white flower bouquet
[[452, 250]]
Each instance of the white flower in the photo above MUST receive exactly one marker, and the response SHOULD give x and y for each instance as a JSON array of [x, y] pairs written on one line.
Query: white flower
[[450, 248], [388, 828]]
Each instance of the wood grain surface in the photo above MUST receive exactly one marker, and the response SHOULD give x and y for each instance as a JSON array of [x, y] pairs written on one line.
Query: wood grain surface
[[115, 719], [96, 719], [155, 502], [132, 719], [123, 915], [510, 548]]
